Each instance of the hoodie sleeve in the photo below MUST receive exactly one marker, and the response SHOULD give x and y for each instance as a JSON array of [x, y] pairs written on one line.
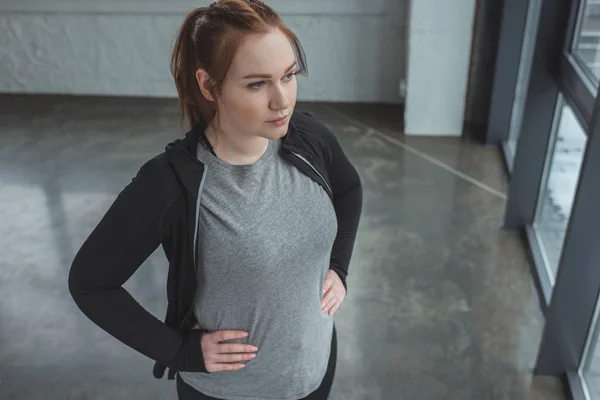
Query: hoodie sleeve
[[124, 238], [347, 201]]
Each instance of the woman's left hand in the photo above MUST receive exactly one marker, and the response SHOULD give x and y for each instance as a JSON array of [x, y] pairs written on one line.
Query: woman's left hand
[[334, 293]]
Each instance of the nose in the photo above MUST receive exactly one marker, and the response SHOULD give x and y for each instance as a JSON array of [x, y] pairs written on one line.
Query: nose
[[279, 99]]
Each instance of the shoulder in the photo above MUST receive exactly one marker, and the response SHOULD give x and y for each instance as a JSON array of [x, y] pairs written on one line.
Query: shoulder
[[158, 177], [157, 167], [309, 125], [313, 130]]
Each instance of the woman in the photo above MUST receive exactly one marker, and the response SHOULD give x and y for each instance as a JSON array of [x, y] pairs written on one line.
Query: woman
[[256, 209]]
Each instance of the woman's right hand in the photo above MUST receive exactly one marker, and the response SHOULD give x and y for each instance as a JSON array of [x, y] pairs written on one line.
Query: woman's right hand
[[223, 356]]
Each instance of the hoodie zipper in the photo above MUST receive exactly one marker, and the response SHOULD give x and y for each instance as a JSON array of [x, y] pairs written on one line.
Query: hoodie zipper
[[314, 169], [195, 242], [197, 219]]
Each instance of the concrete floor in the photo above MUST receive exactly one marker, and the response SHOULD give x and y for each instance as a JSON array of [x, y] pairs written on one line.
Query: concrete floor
[[441, 302]]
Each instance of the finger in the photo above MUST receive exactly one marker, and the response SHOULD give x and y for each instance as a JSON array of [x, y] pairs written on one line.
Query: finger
[[328, 298], [227, 334], [331, 302], [233, 357], [335, 307], [228, 367], [236, 348], [330, 305]]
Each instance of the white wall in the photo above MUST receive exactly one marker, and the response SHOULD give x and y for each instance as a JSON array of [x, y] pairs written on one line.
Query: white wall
[[439, 49], [355, 48]]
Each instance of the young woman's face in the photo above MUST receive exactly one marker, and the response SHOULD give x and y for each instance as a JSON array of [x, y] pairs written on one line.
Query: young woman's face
[[260, 87]]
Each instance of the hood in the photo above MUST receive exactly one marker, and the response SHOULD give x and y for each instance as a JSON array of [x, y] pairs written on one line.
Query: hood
[[181, 155]]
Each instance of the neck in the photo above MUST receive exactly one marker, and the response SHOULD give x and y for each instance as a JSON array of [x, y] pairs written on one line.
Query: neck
[[236, 149]]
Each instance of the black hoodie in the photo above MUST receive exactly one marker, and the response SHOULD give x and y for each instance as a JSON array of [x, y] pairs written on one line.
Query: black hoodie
[[160, 207]]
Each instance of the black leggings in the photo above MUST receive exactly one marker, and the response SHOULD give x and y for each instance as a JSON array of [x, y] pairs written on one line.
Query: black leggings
[[186, 392]]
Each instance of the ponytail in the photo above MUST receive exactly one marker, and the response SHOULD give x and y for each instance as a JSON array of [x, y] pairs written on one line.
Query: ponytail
[[184, 64]]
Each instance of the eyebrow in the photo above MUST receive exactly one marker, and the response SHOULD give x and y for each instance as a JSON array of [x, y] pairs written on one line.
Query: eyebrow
[[267, 76]]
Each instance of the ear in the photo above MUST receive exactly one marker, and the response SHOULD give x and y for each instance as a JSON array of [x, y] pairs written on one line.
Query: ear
[[204, 83]]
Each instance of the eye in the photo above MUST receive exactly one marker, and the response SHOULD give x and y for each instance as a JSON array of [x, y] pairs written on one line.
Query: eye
[[259, 84], [289, 77], [256, 85]]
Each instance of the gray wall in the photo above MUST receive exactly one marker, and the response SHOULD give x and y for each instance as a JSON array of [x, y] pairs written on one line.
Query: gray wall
[[355, 48]]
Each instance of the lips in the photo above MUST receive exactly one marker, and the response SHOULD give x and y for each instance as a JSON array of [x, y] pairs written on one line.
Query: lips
[[278, 119]]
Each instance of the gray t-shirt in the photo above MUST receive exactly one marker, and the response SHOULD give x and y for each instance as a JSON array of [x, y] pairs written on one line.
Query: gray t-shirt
[[265, 237]]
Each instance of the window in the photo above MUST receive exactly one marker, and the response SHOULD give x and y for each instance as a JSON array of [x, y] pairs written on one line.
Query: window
[[586, 41], [590, 370], [565, 155]]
